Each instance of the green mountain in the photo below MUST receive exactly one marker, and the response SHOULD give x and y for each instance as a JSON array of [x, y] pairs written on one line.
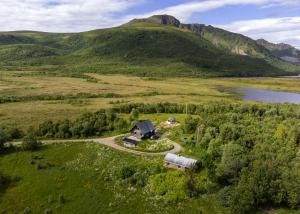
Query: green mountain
[[156, 46], [284, 51]]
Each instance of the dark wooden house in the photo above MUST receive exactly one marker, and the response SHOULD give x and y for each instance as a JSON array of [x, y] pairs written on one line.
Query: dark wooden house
[[143, 129]]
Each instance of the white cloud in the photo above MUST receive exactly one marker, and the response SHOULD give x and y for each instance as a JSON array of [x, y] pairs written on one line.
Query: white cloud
[[285, 29], [61, 15], [82, 15], [186, 10]]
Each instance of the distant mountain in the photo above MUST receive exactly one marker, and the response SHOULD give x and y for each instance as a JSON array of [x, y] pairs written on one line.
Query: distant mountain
[[283, 51], [156, 46]]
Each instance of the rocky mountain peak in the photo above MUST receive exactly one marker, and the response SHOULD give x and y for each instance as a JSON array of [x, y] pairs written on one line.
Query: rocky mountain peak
[[159, 19], [166, 20]]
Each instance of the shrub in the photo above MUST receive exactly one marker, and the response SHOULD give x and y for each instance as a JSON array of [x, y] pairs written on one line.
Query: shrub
[[127, 172], [30, 143], [3, 181], [170, 185], [3, 138]]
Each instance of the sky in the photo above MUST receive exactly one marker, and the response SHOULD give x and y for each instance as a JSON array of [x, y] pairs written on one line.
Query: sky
[[274, 20]]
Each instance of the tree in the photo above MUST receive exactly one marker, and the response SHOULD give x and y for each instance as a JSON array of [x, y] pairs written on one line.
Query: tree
[[64, 130], [15, 133], [121, 124], [191, 183], [134, 115], [190, 125], [3, 138], [30, 143], [234, 158]]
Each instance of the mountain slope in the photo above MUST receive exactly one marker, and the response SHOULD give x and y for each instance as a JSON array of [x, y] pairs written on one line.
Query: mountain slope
[[159, 45], [283, 51]]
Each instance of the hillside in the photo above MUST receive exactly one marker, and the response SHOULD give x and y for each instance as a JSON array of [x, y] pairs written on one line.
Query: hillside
[[157, 46], [284, 51]]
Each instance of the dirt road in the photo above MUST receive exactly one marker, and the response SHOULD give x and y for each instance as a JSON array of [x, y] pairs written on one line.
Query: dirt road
[[110, 142]]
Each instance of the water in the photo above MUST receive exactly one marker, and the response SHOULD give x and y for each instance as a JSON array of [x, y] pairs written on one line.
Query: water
[[260, 95]]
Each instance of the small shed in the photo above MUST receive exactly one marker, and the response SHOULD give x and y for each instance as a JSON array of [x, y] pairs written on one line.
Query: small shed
[[143, 129], [179, 162], [171, 120], [130, 142], [184, 139]]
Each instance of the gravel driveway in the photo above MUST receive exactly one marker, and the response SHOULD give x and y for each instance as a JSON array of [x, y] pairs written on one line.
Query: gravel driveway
[[110, 142]]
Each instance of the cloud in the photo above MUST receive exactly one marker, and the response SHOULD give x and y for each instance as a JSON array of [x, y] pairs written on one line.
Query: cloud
[[186, 10], [83, 15], [61, 15], [284, 29]]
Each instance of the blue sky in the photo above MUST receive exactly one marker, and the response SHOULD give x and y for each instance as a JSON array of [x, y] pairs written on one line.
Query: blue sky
[[274, 20]]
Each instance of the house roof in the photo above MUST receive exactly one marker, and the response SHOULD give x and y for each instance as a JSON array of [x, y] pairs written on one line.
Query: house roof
[[180, 160], [145, 126]]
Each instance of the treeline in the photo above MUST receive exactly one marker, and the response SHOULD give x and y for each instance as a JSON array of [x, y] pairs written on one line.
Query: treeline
[[14, 99], [260, 110], [88, 124]]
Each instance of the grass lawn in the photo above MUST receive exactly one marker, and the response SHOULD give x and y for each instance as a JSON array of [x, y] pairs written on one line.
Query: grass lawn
[[84, 178]]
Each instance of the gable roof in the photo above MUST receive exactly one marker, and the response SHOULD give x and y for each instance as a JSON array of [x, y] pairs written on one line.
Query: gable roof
[[180, 160], [145, 126]]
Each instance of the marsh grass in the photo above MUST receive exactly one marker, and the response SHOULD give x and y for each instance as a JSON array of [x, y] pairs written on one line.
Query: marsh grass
[[42, 97]]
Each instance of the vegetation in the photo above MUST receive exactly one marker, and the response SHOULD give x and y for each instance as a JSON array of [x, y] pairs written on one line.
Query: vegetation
[[30, 143], [144, 48], [150, 146], [253, 157], [43, 97], [282, 50], [248, 163], [69, 178], [89, 124]]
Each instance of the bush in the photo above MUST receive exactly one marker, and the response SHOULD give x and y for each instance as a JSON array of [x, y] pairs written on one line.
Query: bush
[[3, 182], [127, 172], [3, 138], [170, 185], [30, 143]]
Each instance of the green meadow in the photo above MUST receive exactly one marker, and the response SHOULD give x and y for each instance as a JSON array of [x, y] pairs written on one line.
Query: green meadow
[[35, 98], [86, 178]]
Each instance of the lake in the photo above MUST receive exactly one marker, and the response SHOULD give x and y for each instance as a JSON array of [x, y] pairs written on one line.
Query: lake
[[261, 95]]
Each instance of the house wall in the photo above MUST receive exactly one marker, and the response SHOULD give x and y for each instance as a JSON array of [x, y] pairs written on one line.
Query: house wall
[[129, 145], [172, 166], [137, 133]]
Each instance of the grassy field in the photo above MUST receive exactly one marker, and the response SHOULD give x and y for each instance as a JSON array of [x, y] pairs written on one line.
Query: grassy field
[[35, 108], [85, 178]]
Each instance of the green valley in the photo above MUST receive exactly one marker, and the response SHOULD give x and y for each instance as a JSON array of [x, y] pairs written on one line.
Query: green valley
[[134, 48], [73, 105]]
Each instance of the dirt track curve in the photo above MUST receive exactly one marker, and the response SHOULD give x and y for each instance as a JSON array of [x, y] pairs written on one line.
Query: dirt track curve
[[110, 142]]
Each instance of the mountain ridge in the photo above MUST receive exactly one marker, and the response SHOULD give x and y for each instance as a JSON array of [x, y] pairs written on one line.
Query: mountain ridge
[[158, 45], [284, 51]]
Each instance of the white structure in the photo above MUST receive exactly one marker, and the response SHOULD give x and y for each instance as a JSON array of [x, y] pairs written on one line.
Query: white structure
[[179, 162], [171, 121]]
